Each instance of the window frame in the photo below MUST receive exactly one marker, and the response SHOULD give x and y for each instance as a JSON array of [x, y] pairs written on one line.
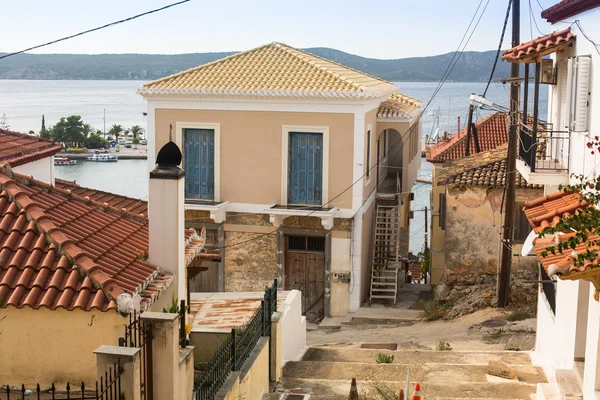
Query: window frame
[[285, 148], [180, 128]]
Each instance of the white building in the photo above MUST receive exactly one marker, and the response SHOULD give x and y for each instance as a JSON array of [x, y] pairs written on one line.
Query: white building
[[568, 316]]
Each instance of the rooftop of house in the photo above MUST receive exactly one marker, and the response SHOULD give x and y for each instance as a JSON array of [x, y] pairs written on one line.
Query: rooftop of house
[[546, 212], [272, 70], [221, 312], [535, 49], [20, 148], [567, 8], [62, 250], [487, 168], [492, 132], [129, 204], [399, 106]]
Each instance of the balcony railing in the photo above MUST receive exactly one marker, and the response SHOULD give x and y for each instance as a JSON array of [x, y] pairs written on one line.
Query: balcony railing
[[546, 149]]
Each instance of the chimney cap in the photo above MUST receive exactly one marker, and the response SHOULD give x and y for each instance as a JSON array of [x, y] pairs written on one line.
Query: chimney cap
[[167, 161]]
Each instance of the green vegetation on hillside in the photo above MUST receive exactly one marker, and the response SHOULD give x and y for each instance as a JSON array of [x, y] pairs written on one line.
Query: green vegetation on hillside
[[472, 66]]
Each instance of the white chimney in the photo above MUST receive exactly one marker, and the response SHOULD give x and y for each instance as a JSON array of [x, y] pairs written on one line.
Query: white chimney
[[166, 203]]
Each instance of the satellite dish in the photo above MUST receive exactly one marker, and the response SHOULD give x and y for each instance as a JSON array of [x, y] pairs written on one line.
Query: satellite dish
[[528, 245]]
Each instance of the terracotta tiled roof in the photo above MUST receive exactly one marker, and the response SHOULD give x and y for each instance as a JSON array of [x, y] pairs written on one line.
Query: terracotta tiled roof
[[131, 205], [58, 249], [535, 49], [546, 212], [19, 148], [491, 130], [415, 270], [194, 247], [568, 8], [272, 70], [487, 168], [399, 105]]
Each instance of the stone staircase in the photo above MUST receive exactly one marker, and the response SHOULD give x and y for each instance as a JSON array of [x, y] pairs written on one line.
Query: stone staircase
[[326, 372]]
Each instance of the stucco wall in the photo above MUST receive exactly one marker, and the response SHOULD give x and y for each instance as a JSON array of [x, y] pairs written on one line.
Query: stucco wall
[[251, 150], [340, 262], [366, 255], [438, 236], [42, 170], [44, 346], [370, 124], [253, 380], [293, 328], [473, 222]]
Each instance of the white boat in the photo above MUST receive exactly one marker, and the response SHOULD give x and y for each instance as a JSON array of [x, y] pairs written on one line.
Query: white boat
[[103, 157], [62, 160]]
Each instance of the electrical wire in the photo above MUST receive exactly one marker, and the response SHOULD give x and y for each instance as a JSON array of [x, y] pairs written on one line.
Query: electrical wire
[[95, 29], [532, 17], [499, 48]]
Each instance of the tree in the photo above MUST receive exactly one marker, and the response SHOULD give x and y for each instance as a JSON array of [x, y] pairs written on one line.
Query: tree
[[44, 133], [69, 131], [116, 130], [585, 224], [3, 123], [95, 141], [137, 131]]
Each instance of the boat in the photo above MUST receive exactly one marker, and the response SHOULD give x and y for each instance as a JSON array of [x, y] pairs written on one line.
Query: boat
[[103, 157], [62, 160]]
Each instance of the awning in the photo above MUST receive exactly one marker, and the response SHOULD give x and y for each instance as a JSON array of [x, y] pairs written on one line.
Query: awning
[[534, 50]]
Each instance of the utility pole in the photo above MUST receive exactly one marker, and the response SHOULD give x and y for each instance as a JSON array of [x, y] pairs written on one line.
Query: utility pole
[[426, 247], [104, 123], [513, 140]]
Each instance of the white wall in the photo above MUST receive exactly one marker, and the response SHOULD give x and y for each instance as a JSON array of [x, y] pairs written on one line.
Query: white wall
[[293, 329], [591, 374], [41, 170], [581, 159]]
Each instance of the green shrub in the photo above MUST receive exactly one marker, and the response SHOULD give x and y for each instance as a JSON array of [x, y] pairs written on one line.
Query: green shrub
[[518, 315], [431, 311], [443, 345], [383, 358]]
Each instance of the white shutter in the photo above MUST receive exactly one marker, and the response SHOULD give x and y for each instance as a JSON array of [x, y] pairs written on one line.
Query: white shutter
[[581, 94], [563, 94]]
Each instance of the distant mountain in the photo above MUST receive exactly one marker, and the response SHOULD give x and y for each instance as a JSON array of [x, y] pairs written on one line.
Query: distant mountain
[[472, 66]]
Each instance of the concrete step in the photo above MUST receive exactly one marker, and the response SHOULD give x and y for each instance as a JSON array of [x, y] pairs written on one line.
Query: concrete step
[[568, 385], [338, 389], [416, 357], [547, 391], [424, 373]]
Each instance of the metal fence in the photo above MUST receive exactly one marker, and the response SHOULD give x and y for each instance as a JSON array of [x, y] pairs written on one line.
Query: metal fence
[[108, 388], [236, 349], [546, 150]]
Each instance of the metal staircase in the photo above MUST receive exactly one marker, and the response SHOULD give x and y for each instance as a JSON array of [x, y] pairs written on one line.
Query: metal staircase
[[386, 248]]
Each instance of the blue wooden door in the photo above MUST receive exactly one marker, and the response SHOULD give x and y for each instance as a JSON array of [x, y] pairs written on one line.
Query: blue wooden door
[[199, 154], [305, 183]]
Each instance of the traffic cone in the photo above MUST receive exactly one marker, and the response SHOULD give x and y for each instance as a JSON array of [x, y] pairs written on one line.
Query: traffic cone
[[401, 395], [417, 394], [353, 390]]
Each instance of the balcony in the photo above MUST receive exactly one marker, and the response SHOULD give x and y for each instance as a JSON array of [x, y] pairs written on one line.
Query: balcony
[[543, 155]]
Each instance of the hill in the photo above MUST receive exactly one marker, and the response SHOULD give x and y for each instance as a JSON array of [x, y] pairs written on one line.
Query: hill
[[472, 66]]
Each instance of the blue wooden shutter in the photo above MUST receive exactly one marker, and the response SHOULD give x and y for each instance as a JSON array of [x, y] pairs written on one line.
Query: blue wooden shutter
[[199, 153], [305, 183]]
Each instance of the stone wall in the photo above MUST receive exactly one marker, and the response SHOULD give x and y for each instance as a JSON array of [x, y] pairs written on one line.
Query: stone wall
[[473, 228], [472, 253]]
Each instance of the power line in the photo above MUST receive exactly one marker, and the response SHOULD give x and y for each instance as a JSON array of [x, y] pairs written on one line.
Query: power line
[[94, 29], [499, 48], [532, 17]]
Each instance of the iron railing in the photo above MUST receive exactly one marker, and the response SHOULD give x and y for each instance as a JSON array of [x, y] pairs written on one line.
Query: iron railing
[[236, 349], [139, 335], [108, 388], [545, 149]]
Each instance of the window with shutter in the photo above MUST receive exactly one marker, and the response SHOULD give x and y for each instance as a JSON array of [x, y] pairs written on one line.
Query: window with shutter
[[563, 94], [199, 153], [305, 184], [580, 93]]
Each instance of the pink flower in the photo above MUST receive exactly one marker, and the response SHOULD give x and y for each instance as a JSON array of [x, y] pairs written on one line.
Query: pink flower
[[596, 137], [589, 144], [592, 152], [591, 185]]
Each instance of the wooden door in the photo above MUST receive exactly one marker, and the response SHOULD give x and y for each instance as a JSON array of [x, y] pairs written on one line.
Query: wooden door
[[305, 271]]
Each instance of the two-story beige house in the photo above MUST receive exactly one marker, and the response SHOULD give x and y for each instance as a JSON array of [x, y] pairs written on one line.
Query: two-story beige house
[[283, 154]]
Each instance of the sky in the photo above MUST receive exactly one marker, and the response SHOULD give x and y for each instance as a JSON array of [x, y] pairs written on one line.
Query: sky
[[384, 29]]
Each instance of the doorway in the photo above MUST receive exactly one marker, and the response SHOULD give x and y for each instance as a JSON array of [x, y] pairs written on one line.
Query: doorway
[[305, 271]]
